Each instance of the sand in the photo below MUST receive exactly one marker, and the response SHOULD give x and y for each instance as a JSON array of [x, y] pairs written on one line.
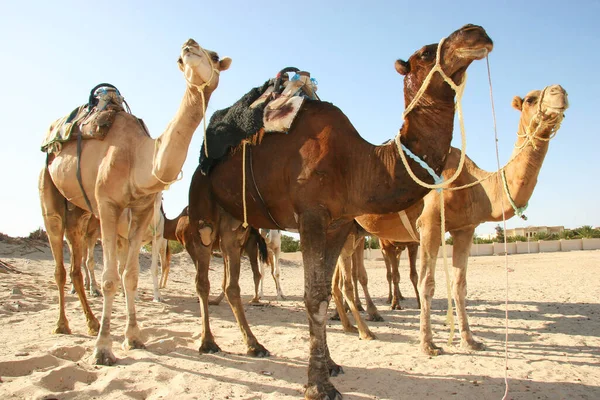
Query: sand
[[554, 336]]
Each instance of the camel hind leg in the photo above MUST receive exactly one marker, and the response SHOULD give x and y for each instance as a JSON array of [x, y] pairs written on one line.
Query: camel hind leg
[[58, 220], [276, 271], [413, 249], [358, 265], [165, 262]]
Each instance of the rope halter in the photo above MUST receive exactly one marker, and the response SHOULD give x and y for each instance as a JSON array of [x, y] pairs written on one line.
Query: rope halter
[[541, 121], [459, 90]]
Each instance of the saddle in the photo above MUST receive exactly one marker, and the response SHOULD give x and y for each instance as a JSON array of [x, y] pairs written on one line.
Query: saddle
[[89, 121], [271, 107]]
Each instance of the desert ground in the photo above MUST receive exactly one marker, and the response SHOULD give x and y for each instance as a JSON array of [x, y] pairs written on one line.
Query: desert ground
[[554, 336]]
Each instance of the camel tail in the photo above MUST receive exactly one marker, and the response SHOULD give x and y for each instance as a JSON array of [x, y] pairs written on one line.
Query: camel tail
[[263, 253]]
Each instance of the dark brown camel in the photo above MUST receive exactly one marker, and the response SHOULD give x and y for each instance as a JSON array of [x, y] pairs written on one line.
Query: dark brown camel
[[326, 175]]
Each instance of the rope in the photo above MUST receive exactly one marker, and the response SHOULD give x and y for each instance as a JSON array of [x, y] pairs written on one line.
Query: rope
[[244, 143], [518, 210], [439, 183], [200, 88], [505, 243]]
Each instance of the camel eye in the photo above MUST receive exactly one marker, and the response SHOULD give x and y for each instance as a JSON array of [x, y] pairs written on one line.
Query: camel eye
[[215, 58], [530, 100], [426, 54]]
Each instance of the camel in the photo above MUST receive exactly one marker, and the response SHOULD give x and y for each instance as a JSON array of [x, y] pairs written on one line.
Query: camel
[[273, 239], [326, 175], [541, 114], [391, 252], [154, 234], [255, 248], [128, 169]]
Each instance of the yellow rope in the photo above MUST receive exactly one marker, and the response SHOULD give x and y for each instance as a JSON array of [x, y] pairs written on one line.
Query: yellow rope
[[244, 143]]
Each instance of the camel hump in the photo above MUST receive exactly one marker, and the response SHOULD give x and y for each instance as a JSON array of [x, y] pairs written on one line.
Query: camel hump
[[92, 120]]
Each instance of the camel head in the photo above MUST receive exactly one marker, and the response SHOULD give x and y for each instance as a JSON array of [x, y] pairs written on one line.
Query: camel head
[[201, 67], [542, 107], [456, 53]]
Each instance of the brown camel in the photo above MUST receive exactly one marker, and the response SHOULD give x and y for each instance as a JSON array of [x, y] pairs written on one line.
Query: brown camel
[[128, 169], [254, 247], [326, 175], [541, 114]]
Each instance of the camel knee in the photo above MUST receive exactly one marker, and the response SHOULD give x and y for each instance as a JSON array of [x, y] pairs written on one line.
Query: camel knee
[[109, 287], [232, 291]]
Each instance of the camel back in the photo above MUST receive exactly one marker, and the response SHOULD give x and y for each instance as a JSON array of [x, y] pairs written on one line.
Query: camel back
[[90, 121], [263, 109]]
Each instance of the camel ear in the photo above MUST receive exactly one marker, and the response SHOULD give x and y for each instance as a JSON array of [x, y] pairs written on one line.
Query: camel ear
[[517, 103], [402, 67], [224, 63]]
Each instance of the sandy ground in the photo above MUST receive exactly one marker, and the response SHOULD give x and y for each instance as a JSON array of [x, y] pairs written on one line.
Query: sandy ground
[[554, 342]]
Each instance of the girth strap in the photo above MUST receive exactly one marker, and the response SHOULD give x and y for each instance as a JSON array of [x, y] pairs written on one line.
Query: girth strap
[[262, 202], [87, 200]]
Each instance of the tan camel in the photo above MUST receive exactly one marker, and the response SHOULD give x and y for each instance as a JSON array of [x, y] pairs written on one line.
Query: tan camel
[[326, 175], [128, 169], [541, 114], [154, 234], [273, 239], [391, 252]]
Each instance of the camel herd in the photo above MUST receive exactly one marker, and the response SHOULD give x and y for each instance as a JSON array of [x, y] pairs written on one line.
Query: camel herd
[[330, 185]]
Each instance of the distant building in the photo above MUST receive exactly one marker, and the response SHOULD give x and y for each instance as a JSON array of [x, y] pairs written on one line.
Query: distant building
[[533, 231]]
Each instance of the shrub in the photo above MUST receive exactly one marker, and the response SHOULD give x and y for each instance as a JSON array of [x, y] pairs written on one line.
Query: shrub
[[175, 247], [371, 242], [38, 234], [289, 244]]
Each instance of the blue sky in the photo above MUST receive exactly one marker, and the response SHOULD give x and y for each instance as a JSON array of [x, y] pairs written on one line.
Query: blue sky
[[53, 53]]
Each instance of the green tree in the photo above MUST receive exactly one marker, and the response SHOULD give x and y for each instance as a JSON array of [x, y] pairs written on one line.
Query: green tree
[[499, 233], [371, 242], [289, 244], [587, 232]]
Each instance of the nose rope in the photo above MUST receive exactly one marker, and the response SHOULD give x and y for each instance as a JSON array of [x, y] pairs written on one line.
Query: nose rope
[[200, 88]]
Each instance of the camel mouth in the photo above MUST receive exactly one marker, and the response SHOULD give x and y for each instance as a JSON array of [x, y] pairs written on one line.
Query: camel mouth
[[474, 53]]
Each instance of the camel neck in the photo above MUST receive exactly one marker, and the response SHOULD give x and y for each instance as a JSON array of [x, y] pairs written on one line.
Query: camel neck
[[172, 145], [427, 132], [521, 174]]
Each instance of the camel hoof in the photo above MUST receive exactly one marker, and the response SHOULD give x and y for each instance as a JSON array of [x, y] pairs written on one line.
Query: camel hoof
[[95, 293], [374, 318], [401, 298], [62, 329], [93, 327], [129, 344], [431, 349], [472, 345], [389, 300], [359, 307], [318, 392], [281, 297], [396, 306], [209, 348], [335, 317], [350, 329], [258, 351], [255, 300], [158, 299], [334, 369], [103, 357], [368, 336]]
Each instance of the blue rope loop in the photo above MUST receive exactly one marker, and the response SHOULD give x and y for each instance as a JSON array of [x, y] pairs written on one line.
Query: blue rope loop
[[436, 178]]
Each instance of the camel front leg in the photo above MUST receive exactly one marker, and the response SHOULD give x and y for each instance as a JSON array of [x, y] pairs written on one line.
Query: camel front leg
[[233, 236], [251, 248], [165, 262], [109, 215], [140, 219], [277, 273], [460, 258], [201, 254], [358, 264], [430, 244], [345, 265], [77, 221], [338, 297], [413, 249], [320, 252]]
